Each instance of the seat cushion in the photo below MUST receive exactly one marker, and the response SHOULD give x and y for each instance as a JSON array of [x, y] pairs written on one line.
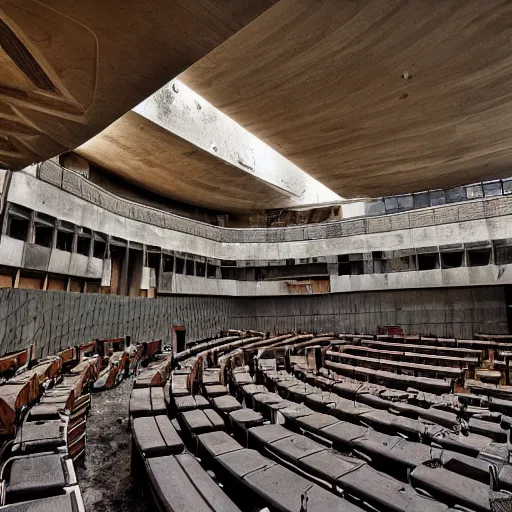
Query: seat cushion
[[282, 489], [246, 417], [155, 436], [453, 488], [190, 488], [226, 403], [214, 390], [199, 421], [70, 502], [35, 476], [39, 436], [218, 443], [140, 402], [188, 403]]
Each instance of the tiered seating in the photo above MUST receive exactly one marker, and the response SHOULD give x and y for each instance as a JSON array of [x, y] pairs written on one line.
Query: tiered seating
[[426, 349], [391, 454], [357, 405], [178, 482], [390, 379], [38, 473], [269, 483], [391, 432], [175, 479], [352, 475], [401, 354], [415, 368]]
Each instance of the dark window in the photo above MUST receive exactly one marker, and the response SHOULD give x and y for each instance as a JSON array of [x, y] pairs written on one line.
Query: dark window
[[391, 204], [82, 245], [230, 273], [455, 195], [211, 271], [180, 265], [357, 268], [343, 269], [200, 269], [421, 200], [260, 273], [64, 240], [290, 262], [153, 260], [377, 255], [437, 197], [479, 257], [503, 255], [452, 259], [428, 261], [492, 189], [44, 235], [343, 258], [405, 203], [169, 262], [18, 228], [100, 248], [189, 267]]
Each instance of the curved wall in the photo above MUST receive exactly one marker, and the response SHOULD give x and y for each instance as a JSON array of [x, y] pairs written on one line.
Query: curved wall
[[369, 227], [57, 320], [73, 198], [69, 197]]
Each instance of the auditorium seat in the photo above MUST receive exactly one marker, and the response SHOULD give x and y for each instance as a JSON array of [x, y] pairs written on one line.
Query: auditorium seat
[[155, 436], [189, 488]]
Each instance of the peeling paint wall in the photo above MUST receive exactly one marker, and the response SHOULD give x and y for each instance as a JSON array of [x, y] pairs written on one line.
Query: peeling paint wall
[[56, 320]]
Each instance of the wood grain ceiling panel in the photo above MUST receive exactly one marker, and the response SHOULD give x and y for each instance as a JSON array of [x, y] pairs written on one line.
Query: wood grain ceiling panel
[[69, 68], [373, 97]]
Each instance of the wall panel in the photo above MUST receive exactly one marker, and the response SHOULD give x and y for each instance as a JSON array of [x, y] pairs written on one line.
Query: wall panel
[[56, 320]]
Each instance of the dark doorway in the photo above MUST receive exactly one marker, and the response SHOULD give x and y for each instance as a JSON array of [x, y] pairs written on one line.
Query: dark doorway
[[508, 301], [178, 338]]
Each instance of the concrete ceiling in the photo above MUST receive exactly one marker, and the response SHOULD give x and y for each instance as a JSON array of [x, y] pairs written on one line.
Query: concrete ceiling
[[69, 68], [373, 97], [176, 144], [149, 156]]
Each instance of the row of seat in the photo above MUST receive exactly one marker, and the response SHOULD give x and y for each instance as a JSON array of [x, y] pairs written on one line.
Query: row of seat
[[418, 370], [239, 421], [350, 475], [480, 344], [174, 477], [39, 472], [426, 349], [350, 402], [391, 452], [264, 482], [472, 445], [390, 379], [402, 355]]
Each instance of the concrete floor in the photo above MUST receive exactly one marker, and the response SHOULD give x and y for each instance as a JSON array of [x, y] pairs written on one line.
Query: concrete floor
[[106, 482]]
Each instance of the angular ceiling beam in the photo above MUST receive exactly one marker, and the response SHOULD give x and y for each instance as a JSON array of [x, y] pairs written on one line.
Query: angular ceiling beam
[[185, 114]]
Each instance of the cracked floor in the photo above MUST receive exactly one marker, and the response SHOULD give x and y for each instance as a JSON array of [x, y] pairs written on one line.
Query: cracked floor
[[106, 483]]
